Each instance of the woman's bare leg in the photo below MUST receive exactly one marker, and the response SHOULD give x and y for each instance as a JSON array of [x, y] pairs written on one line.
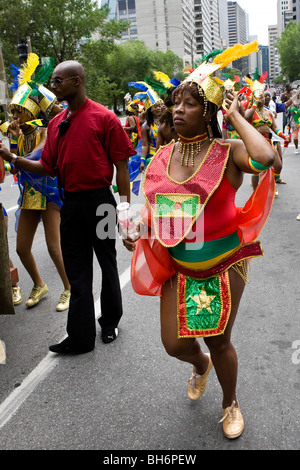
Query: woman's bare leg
[[51, 221], [222, 352], [184, 349], [28, 223]]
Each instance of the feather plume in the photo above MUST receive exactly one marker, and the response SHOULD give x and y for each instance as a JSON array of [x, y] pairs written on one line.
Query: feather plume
[[175, 82], [247, 80], [256, 74], [139, 85], [28, 68], [15, 71], [43, 75], [140, 96], [263, 77], [163, 78], [158, 87], [236, 79], [210, 55], [235, 52], [218, 80]]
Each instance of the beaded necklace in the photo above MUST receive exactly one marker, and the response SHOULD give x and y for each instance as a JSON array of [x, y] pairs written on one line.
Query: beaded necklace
[[190, 147]]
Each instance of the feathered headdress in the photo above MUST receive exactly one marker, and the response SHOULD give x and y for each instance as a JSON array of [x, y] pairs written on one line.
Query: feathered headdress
[[29, 86], [257, 87], [202, 75], [228, 84], [148, 95], [169, 83]]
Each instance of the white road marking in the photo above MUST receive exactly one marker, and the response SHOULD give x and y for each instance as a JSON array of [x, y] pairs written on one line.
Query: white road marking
[[12, 403]]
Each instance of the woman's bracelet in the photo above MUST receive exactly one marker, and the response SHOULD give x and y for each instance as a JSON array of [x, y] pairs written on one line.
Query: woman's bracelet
[[281, 134], [256, 166], [13, 143]]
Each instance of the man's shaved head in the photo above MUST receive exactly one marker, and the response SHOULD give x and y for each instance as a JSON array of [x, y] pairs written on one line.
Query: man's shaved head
[[70, 68]]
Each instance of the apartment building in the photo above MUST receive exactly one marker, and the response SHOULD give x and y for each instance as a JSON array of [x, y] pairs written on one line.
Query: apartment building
[[295, 5], [284, 14], [161, 24], [274, 68], [238, 33]]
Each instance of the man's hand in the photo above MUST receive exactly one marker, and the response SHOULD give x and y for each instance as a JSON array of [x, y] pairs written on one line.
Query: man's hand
[[5, 153]]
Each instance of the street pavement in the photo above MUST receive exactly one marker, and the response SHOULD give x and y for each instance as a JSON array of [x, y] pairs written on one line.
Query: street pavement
[[130, 395]]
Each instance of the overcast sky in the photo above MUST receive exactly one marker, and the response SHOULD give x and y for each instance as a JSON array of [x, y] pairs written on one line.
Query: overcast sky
[[261, 14]]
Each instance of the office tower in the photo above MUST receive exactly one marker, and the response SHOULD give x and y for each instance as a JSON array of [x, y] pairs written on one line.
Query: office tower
[[161, 24], [274, 67], [284, 14], [295, 6], [238, 26]]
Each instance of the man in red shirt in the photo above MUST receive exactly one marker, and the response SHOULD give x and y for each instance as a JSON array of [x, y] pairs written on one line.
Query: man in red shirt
[[85, 143]]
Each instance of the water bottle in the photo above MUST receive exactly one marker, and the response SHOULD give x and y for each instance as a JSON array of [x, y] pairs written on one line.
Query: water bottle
[[126, 221]]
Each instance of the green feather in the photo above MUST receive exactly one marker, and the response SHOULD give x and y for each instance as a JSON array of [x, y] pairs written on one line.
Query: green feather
[[44, 73], [256, 74], [211, 54], [158, 87]]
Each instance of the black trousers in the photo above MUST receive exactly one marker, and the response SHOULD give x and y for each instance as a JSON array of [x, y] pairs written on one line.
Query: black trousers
[[79, 241]]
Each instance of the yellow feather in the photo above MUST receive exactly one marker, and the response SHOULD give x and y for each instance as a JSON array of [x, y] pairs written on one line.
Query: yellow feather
[[218, 80], [163, 78], [235, 52], [247, 80], [28, 68]]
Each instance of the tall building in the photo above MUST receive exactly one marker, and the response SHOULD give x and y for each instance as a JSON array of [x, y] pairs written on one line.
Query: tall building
[[255, 59], [161, 24], [274, 68], [284, 14], [203, 27], [223, 23], [295, 6], [264, 50], [238, 28]]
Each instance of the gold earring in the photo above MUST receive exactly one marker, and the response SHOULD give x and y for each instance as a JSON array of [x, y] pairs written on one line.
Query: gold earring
[[210, 132]]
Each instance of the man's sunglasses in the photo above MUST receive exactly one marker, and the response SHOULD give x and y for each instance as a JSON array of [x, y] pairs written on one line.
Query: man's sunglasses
[[58, 81]]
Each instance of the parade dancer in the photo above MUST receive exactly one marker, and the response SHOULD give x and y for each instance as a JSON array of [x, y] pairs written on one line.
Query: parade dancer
[[197, 261]]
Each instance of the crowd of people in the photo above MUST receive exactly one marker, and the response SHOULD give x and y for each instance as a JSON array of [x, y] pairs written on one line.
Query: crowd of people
[[197, 262]]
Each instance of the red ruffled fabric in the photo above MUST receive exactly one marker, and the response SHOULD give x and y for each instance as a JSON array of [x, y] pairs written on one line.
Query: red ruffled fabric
[[151, 264]]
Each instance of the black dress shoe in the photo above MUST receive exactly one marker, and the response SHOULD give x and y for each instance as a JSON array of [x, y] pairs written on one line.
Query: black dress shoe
[[66, 347], [109, 335]]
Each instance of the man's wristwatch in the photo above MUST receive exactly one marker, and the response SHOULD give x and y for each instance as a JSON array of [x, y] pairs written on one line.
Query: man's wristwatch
[[13, 160]]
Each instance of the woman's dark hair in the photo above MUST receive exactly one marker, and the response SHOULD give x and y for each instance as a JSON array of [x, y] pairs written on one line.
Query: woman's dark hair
[[211, 107], [149, 117], [167, 116]]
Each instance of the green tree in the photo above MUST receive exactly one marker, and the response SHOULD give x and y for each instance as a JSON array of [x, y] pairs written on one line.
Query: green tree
[[289, 50], [57, 28]]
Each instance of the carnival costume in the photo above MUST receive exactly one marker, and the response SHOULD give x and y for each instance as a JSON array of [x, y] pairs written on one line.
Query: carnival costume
[[176, 213], [32, 98], [228, 87], [263, 117], [149, 97]]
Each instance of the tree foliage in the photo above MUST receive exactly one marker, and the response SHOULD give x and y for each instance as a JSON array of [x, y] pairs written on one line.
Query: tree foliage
[[289, 50], [80, 30]]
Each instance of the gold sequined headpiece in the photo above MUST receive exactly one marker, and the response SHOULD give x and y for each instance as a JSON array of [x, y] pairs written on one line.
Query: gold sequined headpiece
[[31, 96], [210, 85]]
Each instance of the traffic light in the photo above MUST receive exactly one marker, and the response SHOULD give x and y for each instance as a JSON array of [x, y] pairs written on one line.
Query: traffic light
[[22, 50]]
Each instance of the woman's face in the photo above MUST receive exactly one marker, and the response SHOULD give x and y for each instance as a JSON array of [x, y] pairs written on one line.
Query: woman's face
[[267, 99], [188, 115], [23, 118], [156, 110]]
